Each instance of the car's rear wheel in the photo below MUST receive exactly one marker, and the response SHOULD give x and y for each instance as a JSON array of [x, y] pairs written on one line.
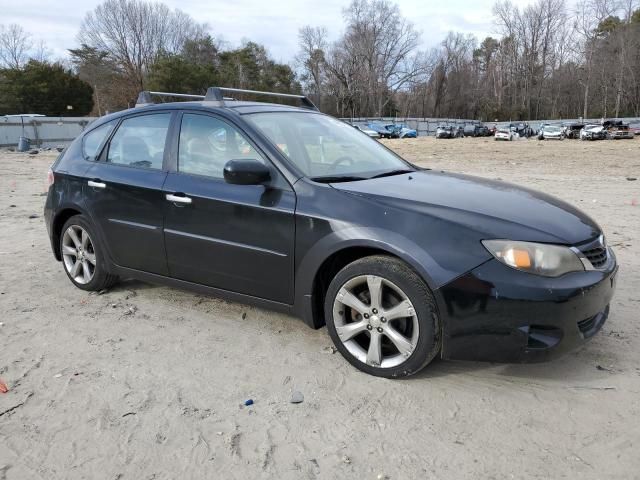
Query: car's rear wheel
[[83, 261], [382, 317]]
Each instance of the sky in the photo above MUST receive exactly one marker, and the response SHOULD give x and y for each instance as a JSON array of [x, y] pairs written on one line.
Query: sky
[[272, 23]]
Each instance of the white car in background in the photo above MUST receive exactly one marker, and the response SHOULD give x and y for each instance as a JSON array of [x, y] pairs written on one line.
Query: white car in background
[[551, 132], [593, 132], [505, 134]]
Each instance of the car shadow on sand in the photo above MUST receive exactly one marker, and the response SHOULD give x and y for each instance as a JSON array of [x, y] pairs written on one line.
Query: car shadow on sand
[[572, 369]]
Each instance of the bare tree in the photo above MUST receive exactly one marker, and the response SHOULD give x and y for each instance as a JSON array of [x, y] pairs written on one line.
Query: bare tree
[[376, 56], [41, 52], [311, 59], [534, 32], [134, 33], [15, 44], [623, 35], [588, 15]]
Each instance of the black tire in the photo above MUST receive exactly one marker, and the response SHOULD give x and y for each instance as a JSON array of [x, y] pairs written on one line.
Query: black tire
[[401, 275], [101, 277]]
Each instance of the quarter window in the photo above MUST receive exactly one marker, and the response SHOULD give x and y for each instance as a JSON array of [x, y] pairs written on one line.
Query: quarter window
[[94, 139], [139, 141], [207, 144]]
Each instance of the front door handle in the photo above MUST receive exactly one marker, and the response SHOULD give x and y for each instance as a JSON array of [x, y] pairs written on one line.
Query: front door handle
[[178, 199], [94, 184]]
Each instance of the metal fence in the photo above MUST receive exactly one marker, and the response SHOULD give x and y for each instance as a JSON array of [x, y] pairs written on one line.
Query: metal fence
[[42, 131], [428, 126], [55, 131], [424, 126]]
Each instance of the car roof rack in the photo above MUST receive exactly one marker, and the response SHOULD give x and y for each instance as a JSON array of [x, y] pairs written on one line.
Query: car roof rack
[[214, 94]]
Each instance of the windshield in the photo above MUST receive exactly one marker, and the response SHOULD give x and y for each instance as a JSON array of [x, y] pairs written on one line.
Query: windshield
[[552, 129], [325, 148]]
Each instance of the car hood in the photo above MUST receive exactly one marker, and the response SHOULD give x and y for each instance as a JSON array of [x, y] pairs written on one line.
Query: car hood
[[493, 209]]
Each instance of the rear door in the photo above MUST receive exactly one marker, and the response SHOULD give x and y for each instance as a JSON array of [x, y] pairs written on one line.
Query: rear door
[[233, 237], [124, 192]]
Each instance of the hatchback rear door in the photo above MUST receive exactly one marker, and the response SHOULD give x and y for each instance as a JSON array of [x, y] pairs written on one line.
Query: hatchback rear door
[[233, 237], [124, 192]]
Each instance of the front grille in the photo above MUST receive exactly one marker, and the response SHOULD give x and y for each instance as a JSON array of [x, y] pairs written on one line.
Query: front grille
[[597, 256], [596, 252]]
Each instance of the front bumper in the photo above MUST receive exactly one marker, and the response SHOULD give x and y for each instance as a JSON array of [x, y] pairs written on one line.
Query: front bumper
[[499, 314], [595, 136], [622, 136]]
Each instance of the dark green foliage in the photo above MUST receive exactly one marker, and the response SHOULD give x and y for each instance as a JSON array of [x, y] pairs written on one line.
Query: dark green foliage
[[113, 90], [44, 88], [201, 65], [178, 74]]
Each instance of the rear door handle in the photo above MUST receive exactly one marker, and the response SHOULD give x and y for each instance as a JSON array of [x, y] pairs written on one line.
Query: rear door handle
[[178, 199], [94, 184]]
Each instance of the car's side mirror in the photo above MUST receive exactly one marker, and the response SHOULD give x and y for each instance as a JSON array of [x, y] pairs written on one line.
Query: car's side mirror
[[246, 172]]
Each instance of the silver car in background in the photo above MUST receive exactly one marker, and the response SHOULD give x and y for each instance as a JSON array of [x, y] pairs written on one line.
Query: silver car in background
[[551, 132], [367, 131], [506, 134], [593, 132]]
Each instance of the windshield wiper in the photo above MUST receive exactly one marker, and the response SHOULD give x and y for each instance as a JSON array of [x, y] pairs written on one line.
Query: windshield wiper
[[338, 178], [390, 173]]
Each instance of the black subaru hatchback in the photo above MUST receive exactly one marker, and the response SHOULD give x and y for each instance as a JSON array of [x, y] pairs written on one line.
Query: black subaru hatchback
[[290, 209]]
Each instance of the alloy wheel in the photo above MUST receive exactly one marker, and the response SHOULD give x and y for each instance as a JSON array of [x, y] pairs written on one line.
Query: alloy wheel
[[78, 254], [375, 321]]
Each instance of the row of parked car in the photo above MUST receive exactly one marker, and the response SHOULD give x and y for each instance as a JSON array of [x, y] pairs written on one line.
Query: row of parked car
[[460, 131], [607, 129], [386, 130]]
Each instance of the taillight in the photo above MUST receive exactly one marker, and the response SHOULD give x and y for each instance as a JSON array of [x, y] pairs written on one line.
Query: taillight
[[50, 178]]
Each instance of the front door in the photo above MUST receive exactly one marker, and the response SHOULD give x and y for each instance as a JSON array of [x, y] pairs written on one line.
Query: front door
[[124, 193], [233, 237]]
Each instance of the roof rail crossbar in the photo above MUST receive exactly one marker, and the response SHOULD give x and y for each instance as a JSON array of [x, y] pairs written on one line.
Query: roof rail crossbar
[[215, 94], [144, 98]]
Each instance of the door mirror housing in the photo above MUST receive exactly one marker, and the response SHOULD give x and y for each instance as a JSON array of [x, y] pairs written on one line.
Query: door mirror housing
[[246, 172]]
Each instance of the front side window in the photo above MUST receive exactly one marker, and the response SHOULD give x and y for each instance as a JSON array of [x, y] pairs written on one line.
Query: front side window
[[321, 146], [93, 140], [208, 143], [139, 141]]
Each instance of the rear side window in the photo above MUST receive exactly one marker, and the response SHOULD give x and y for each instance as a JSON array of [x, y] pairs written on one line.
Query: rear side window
[[94, 139], [139, 141], [207, 144]]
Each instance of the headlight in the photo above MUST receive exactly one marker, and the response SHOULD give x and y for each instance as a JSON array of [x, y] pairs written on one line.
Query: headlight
[[538, 258]]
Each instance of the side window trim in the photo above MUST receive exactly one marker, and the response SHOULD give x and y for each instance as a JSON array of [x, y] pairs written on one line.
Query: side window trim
[[168, 141], [281, 181], [170, 163], [103, 150], [225, 121], [105, 140]]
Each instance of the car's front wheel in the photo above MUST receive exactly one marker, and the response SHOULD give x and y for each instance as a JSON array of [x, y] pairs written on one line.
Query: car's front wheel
[[83, 261], [382, 317]]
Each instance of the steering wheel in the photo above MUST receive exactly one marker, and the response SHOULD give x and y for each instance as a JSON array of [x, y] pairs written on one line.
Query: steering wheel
[[341, 160]]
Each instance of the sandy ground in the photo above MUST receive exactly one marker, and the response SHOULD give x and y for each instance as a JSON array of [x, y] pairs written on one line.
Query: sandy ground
[[145, 382]]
